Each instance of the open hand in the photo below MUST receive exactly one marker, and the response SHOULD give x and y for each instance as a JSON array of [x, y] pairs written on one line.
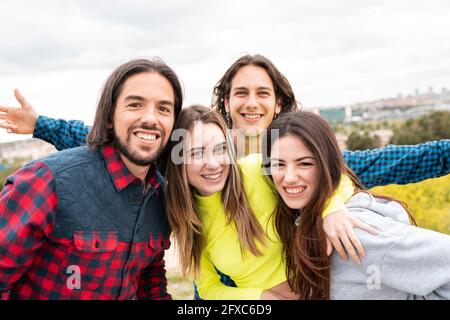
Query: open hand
[[20, 120]]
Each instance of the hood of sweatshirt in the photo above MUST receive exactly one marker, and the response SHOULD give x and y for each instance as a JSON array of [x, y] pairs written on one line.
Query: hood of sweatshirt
[[383, 207]]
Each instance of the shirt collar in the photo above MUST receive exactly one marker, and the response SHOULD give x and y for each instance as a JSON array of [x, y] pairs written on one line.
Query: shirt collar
[[121, 175]]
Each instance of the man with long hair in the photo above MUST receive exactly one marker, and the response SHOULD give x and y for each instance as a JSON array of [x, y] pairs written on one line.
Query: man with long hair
[[89, 222]]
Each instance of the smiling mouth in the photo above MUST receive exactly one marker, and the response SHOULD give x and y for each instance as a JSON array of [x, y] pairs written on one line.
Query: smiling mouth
[[294, 192], [213, 177], [252, 117], [146, 137]]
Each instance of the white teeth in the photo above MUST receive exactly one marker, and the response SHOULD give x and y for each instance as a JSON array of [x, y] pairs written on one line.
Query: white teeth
[[252, 116], [212, 176], [144, 136], [295, 191]]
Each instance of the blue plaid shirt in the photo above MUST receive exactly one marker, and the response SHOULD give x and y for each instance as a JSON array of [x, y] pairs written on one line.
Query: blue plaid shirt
[[376, 167]]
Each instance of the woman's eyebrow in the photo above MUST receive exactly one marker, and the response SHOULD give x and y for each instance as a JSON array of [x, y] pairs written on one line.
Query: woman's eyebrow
[[304, 158], [298, 159]]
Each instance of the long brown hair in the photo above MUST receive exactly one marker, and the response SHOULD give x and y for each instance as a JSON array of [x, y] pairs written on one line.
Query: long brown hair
[[283, 90], [102, 133], [307, 263], [182, 214]]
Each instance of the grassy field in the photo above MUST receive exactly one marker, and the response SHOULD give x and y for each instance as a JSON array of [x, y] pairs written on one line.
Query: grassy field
[[428, 201]]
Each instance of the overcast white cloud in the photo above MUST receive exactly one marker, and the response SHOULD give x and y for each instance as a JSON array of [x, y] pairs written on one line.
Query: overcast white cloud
[[60, 52]]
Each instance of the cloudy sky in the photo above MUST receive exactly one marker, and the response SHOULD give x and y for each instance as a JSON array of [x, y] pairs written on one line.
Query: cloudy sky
[[58, 53]]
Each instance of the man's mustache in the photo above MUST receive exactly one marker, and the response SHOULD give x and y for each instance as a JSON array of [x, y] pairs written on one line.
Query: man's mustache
[[147, 127]]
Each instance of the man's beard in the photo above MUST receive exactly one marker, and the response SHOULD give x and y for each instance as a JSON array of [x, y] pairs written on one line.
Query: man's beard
[[125, 148]]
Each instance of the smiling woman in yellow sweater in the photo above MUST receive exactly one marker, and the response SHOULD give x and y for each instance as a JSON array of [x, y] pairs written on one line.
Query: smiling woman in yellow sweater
[[221, 212]]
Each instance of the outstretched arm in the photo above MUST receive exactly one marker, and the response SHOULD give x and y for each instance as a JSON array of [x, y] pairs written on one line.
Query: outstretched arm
[[61, 133], [400, 164], [25, 120]]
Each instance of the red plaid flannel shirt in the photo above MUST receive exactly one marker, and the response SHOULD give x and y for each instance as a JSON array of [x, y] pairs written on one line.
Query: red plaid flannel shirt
[[31, 259]]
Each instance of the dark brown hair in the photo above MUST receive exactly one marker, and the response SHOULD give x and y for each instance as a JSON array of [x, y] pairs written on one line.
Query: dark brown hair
[[307, 263], [102, 133], [181, 211], [283, 91]]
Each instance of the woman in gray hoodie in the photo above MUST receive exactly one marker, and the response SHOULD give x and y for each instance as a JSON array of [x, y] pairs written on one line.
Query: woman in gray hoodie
[[402, 262]]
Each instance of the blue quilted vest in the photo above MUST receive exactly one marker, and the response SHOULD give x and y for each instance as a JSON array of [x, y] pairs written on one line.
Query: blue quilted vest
[[88, 200]]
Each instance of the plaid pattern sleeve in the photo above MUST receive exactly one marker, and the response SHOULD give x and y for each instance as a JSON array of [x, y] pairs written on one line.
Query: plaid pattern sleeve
[[153, 281], [400, 164], [61, 133], [27, 216]]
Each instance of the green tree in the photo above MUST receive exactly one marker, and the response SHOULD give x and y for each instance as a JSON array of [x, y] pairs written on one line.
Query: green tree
[[361, 141], [434, 126]]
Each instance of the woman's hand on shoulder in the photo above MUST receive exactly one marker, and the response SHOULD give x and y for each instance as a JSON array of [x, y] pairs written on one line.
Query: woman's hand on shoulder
[[338, 227]]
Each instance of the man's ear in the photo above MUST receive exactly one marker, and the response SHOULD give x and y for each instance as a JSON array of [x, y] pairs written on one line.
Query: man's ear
[[110, 126], [227, 105], [278, 107]]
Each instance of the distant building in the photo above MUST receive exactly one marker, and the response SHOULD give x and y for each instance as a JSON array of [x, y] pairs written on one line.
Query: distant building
[[399, 107], [333, 115]]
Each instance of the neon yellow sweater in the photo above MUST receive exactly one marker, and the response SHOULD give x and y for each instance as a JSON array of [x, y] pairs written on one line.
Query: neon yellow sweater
[[252, 274]]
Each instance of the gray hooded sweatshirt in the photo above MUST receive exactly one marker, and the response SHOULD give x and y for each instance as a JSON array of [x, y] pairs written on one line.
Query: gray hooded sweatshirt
[[402, 261]]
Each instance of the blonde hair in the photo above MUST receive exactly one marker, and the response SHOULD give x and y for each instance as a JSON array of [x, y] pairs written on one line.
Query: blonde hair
[[183, 216]]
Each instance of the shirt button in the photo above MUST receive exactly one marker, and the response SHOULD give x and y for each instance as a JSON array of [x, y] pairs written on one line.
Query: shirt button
[[97, 244]]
